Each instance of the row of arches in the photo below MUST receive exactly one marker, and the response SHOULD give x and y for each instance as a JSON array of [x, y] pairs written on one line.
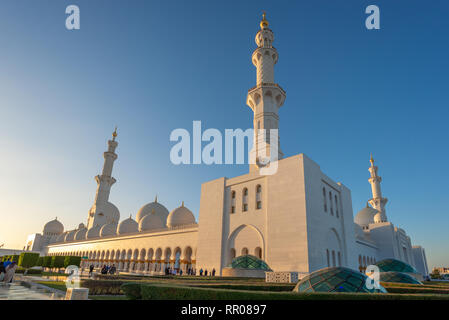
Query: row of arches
[[138, 260], [333, 258], [257, 252], [365, 261]]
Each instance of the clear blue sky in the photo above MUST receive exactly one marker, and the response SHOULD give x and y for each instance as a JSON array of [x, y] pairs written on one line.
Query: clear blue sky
[[154, 66]]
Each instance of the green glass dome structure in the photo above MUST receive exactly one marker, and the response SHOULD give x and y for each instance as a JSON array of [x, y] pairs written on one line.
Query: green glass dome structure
[[387, 265], [398, 277], [335, 279], [249, 262]]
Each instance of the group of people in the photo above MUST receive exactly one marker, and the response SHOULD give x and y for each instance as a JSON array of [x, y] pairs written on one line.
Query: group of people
[[205, 272], [190, 272], [7, 270], [104, 270]]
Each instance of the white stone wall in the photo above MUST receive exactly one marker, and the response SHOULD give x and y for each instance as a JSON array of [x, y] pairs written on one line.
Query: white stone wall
[[136, 252], [420, 260]]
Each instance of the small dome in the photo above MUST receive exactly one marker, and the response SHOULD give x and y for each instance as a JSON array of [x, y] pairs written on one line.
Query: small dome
[[81, 234], [70, 236], [53, 227], [151, 222], [81, 226], [365, 216], [398, 277], [248, 261], [127, 226], [93, 232], [61, 237], [395, 265], [180, 216], [335, 279], [153, 207], [108, 230], [112, 212]]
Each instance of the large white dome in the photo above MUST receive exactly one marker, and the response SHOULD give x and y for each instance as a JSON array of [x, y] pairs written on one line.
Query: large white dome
[[81, 234], [108, 230], [127, 226], [53, 227], [93, 232], [153, 207], [365, 216], [180, 216], [151, 222]]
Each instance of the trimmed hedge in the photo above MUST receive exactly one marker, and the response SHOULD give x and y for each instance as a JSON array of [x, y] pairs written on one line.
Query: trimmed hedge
[[132, 290], [102, 287], [72, 261], [28, 259], [40, 261], [46, 261], [167, 292], [57, 262], [412, 290], [272, 288]]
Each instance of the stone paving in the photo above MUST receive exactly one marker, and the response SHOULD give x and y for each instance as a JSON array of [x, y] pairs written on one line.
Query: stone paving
[[16, 291]]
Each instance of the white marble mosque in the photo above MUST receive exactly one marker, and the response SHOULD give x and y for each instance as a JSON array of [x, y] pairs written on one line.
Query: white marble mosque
[[297, 220]]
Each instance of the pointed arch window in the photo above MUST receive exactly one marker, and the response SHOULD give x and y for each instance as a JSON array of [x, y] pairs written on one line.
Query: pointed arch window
[[324, 199], [336, 207], [245, 200], [333, 258], [259, 197], [330, 202], [328, 259], [233, 201]]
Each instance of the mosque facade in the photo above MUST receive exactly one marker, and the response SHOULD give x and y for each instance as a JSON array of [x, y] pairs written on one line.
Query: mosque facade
[[297, 219]]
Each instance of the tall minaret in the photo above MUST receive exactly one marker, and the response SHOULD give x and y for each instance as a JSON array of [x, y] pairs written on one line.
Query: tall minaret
[[104, 183], [377, 202], [266, 97]]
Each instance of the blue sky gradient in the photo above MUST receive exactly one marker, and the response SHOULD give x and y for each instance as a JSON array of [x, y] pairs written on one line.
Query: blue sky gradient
[[153, 66]]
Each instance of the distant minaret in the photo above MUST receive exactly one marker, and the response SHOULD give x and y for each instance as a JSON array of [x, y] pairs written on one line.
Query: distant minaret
[[266, 97], [104, 184], [377, 202]]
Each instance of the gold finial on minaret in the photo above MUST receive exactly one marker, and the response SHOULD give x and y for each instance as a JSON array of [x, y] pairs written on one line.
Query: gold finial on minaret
[[114, 134], [264, 22], [182, 205], [155, 199], [371, 159]]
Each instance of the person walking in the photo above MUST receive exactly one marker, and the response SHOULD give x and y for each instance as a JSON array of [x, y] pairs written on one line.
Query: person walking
[[205, 273], [112, 270], [10, 271], [213, 272], [201, 271], [7, 263], [91, 269]]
